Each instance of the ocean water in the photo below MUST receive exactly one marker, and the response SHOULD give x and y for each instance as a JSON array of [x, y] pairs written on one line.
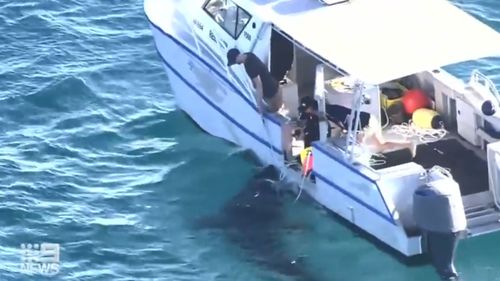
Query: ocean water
[[95, 156]]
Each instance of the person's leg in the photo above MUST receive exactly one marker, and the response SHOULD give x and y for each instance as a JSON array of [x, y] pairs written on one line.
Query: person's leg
[[275, 102], [376, 140], [384, 145]]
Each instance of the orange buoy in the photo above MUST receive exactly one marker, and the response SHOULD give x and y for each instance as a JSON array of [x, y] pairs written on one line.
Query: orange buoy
[[415, 99]]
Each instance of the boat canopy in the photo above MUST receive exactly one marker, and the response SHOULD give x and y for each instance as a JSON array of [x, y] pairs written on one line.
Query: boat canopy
[[381, 40]]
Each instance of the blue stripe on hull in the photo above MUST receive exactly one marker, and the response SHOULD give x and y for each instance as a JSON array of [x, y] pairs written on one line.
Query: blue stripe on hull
[[354, 198], [370, 180]]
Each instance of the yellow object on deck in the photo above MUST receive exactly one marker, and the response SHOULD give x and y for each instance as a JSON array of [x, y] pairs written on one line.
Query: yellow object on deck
[[342, 84], [306, 159], [426, 118], [391, 93], [385, 102], [304, 153]]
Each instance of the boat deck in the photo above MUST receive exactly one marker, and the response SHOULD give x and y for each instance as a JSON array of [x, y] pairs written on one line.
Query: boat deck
[[467, 166]]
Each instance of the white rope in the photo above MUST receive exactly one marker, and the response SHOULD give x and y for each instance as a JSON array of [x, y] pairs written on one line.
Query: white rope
[[410, 130], [306, 174], [371, 161], [443, 170], [301, 186], [387, 120]]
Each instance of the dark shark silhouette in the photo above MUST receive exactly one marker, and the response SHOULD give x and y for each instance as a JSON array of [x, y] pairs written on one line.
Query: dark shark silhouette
[[253, 220]]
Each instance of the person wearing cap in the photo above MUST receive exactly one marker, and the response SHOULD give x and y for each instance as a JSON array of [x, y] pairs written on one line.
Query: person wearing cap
[[269, 96]]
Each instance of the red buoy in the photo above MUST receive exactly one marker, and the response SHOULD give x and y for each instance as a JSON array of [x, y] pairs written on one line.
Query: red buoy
[[415, 99]]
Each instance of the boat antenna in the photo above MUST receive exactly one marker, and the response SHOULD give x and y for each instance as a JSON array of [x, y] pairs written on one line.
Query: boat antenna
[[354, 118]]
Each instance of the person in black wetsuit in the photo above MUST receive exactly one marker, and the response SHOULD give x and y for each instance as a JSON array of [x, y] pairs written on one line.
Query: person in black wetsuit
[[269, 96]]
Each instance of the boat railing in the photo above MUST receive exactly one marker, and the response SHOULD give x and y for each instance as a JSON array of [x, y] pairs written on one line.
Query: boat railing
[[480, 82], [334, 2]]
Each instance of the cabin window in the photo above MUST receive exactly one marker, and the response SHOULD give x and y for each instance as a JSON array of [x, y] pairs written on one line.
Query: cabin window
[[242, 21], [229, 16]]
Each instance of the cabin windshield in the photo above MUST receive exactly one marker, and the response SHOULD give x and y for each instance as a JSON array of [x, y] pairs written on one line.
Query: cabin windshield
[[228, 15]]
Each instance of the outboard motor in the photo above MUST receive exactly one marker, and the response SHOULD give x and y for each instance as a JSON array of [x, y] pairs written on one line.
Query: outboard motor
[[439, 213]]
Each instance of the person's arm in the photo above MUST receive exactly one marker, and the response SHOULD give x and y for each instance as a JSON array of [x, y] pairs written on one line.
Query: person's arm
[[257, 84], [251, 67]]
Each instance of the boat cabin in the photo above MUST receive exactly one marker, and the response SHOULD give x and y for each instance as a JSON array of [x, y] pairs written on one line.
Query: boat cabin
[[368, 57]]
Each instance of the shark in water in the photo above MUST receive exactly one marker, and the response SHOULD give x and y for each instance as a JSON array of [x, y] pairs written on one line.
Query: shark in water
[[254, 221]]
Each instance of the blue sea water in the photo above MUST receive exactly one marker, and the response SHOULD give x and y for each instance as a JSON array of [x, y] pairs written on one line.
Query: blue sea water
[[95, 156]]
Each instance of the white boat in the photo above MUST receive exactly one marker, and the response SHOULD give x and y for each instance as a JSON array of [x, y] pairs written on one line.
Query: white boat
[[449, 191]]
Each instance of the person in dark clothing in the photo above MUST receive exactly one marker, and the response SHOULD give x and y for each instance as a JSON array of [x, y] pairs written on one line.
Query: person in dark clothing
[[308, 110], [269, 96], [282, 53]]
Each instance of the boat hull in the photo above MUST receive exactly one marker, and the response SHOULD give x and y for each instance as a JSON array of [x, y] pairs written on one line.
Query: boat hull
[[222, 108], [215, 103]]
